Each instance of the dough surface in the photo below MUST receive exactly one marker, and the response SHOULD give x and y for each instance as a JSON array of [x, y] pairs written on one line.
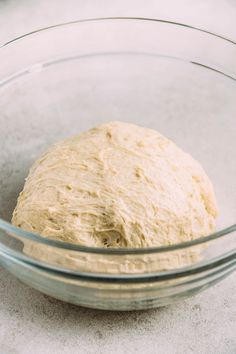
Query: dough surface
[[117, 185]]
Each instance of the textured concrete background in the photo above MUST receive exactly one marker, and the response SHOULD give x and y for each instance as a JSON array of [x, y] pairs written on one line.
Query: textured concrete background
[[33, 323]]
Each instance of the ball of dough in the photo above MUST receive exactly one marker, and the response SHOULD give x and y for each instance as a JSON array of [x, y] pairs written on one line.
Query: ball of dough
[[117, 185]]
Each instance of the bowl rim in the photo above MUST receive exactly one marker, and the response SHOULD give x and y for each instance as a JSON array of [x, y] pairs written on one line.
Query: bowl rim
[[13, 230], [227, 261], [111, 18], [8, 227]]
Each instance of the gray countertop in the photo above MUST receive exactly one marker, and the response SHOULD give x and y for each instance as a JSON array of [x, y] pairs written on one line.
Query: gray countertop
[[31, 322]]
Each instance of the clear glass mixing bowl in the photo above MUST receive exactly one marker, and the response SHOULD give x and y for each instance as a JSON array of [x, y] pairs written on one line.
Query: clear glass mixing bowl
[[61, 80]]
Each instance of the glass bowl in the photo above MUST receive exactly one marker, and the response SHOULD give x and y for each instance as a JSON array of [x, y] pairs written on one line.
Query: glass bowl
[[60, 80]]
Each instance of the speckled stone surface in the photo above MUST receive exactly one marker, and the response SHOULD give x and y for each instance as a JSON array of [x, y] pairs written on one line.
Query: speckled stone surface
[[31, 322]]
